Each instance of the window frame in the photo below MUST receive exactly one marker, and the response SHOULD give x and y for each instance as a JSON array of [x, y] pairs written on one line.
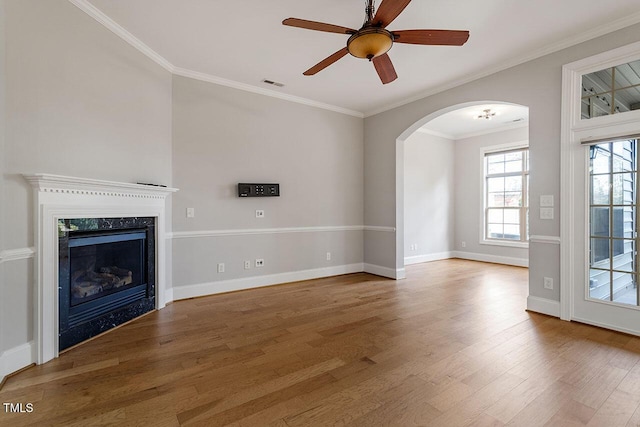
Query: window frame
[[574, 289], [495, 149]]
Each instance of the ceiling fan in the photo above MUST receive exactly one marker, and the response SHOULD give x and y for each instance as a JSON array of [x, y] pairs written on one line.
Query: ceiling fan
[[372, 41]]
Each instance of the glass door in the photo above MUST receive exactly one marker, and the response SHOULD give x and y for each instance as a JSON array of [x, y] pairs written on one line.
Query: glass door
[[609, 295], [613, 272]]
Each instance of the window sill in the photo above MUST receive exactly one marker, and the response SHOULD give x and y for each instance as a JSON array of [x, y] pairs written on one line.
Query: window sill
[[521, 245]]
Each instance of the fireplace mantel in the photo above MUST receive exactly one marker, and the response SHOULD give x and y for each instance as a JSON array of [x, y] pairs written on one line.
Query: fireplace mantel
[[68, 184], [57, 197]]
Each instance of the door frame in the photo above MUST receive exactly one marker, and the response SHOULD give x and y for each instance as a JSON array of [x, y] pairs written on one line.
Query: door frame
[[573, 132]]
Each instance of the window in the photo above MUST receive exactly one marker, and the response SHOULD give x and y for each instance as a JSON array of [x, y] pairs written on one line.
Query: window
[[506, 200], [613, 263], [611, 91]]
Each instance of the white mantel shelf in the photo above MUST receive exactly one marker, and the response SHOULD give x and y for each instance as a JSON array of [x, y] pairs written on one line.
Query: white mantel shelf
[[69, 184], [63, 197]]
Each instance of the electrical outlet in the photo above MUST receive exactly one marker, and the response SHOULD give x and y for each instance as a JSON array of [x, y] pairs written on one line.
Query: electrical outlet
[[191, 212], [328, 256], [221, 267], [259, 262], [548, 283], [259, 213], [464, 244], [247, 264]]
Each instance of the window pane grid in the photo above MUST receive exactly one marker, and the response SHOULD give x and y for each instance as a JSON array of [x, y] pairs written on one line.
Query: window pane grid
[[612, 90], [506, 201], [613, 222]]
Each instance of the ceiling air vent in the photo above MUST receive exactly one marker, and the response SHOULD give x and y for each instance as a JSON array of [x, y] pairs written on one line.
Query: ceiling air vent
[[271, 82]]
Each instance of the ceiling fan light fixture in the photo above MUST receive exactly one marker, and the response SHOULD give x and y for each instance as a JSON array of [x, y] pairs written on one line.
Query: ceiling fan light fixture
[[370, 42]]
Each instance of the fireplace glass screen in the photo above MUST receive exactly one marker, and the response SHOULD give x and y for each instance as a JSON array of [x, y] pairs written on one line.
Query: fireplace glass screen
[[101, 265]]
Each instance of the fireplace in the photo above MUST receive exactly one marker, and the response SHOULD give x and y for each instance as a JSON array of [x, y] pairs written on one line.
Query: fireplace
[[58, 198], [106, 274]]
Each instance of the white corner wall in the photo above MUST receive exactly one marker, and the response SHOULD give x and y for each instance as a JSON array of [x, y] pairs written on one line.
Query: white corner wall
[[429, 197], [79, 101]]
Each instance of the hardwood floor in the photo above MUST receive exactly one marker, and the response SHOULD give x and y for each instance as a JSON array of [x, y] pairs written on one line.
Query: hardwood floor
[[452, 345]]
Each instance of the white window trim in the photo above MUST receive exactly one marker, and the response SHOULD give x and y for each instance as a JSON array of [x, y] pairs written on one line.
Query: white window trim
[[483, 152], [574, 130]]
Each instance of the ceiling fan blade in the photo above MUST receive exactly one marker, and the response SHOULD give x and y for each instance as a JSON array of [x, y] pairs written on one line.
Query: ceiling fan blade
[[431, 37], [317, 26], [388, 11], [326, 62], [385, 69]]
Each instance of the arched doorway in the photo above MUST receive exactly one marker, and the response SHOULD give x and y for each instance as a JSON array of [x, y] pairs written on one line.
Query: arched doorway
[[438, 226]]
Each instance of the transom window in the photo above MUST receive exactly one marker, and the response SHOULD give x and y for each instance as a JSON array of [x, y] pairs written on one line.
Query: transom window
[[613, 221], [611, 91], [506, 200]]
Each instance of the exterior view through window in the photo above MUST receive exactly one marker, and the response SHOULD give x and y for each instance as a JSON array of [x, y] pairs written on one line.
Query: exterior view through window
[[613, 221], [506, 196]]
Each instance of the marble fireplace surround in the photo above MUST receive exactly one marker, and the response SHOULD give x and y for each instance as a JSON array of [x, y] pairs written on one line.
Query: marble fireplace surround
[[57, 197]]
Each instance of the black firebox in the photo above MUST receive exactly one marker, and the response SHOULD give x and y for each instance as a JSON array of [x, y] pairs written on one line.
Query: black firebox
[[106, 274]]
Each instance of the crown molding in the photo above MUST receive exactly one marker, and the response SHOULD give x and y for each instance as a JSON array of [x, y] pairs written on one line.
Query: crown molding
[[632, 19], [117, 29], [502, 128], [125, 35], [435, 133], [183, 72]]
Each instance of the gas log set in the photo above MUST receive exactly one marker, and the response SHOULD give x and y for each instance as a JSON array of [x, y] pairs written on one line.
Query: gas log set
[[86, 283]]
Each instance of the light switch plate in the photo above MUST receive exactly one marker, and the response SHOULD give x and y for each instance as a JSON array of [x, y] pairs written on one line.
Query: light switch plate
[[546, 213], [546, 200]]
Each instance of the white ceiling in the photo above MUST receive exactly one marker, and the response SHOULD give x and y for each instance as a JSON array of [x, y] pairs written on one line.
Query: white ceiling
[[464, 122], [244, 41]]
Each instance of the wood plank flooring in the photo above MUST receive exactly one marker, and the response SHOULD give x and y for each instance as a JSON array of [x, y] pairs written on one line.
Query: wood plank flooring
[[452, 345]]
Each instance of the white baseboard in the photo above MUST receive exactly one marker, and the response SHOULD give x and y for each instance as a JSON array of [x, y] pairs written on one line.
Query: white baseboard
[[391, 273], [417, 259], [168, 295], [210, 288], [544, 306], [518, 262], [16, 358]]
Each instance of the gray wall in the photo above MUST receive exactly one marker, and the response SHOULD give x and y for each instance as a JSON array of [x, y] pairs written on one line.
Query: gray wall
[[429, 190], [222, 136], [469, 192], [3, 279], [536, 84], [81, 102]]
